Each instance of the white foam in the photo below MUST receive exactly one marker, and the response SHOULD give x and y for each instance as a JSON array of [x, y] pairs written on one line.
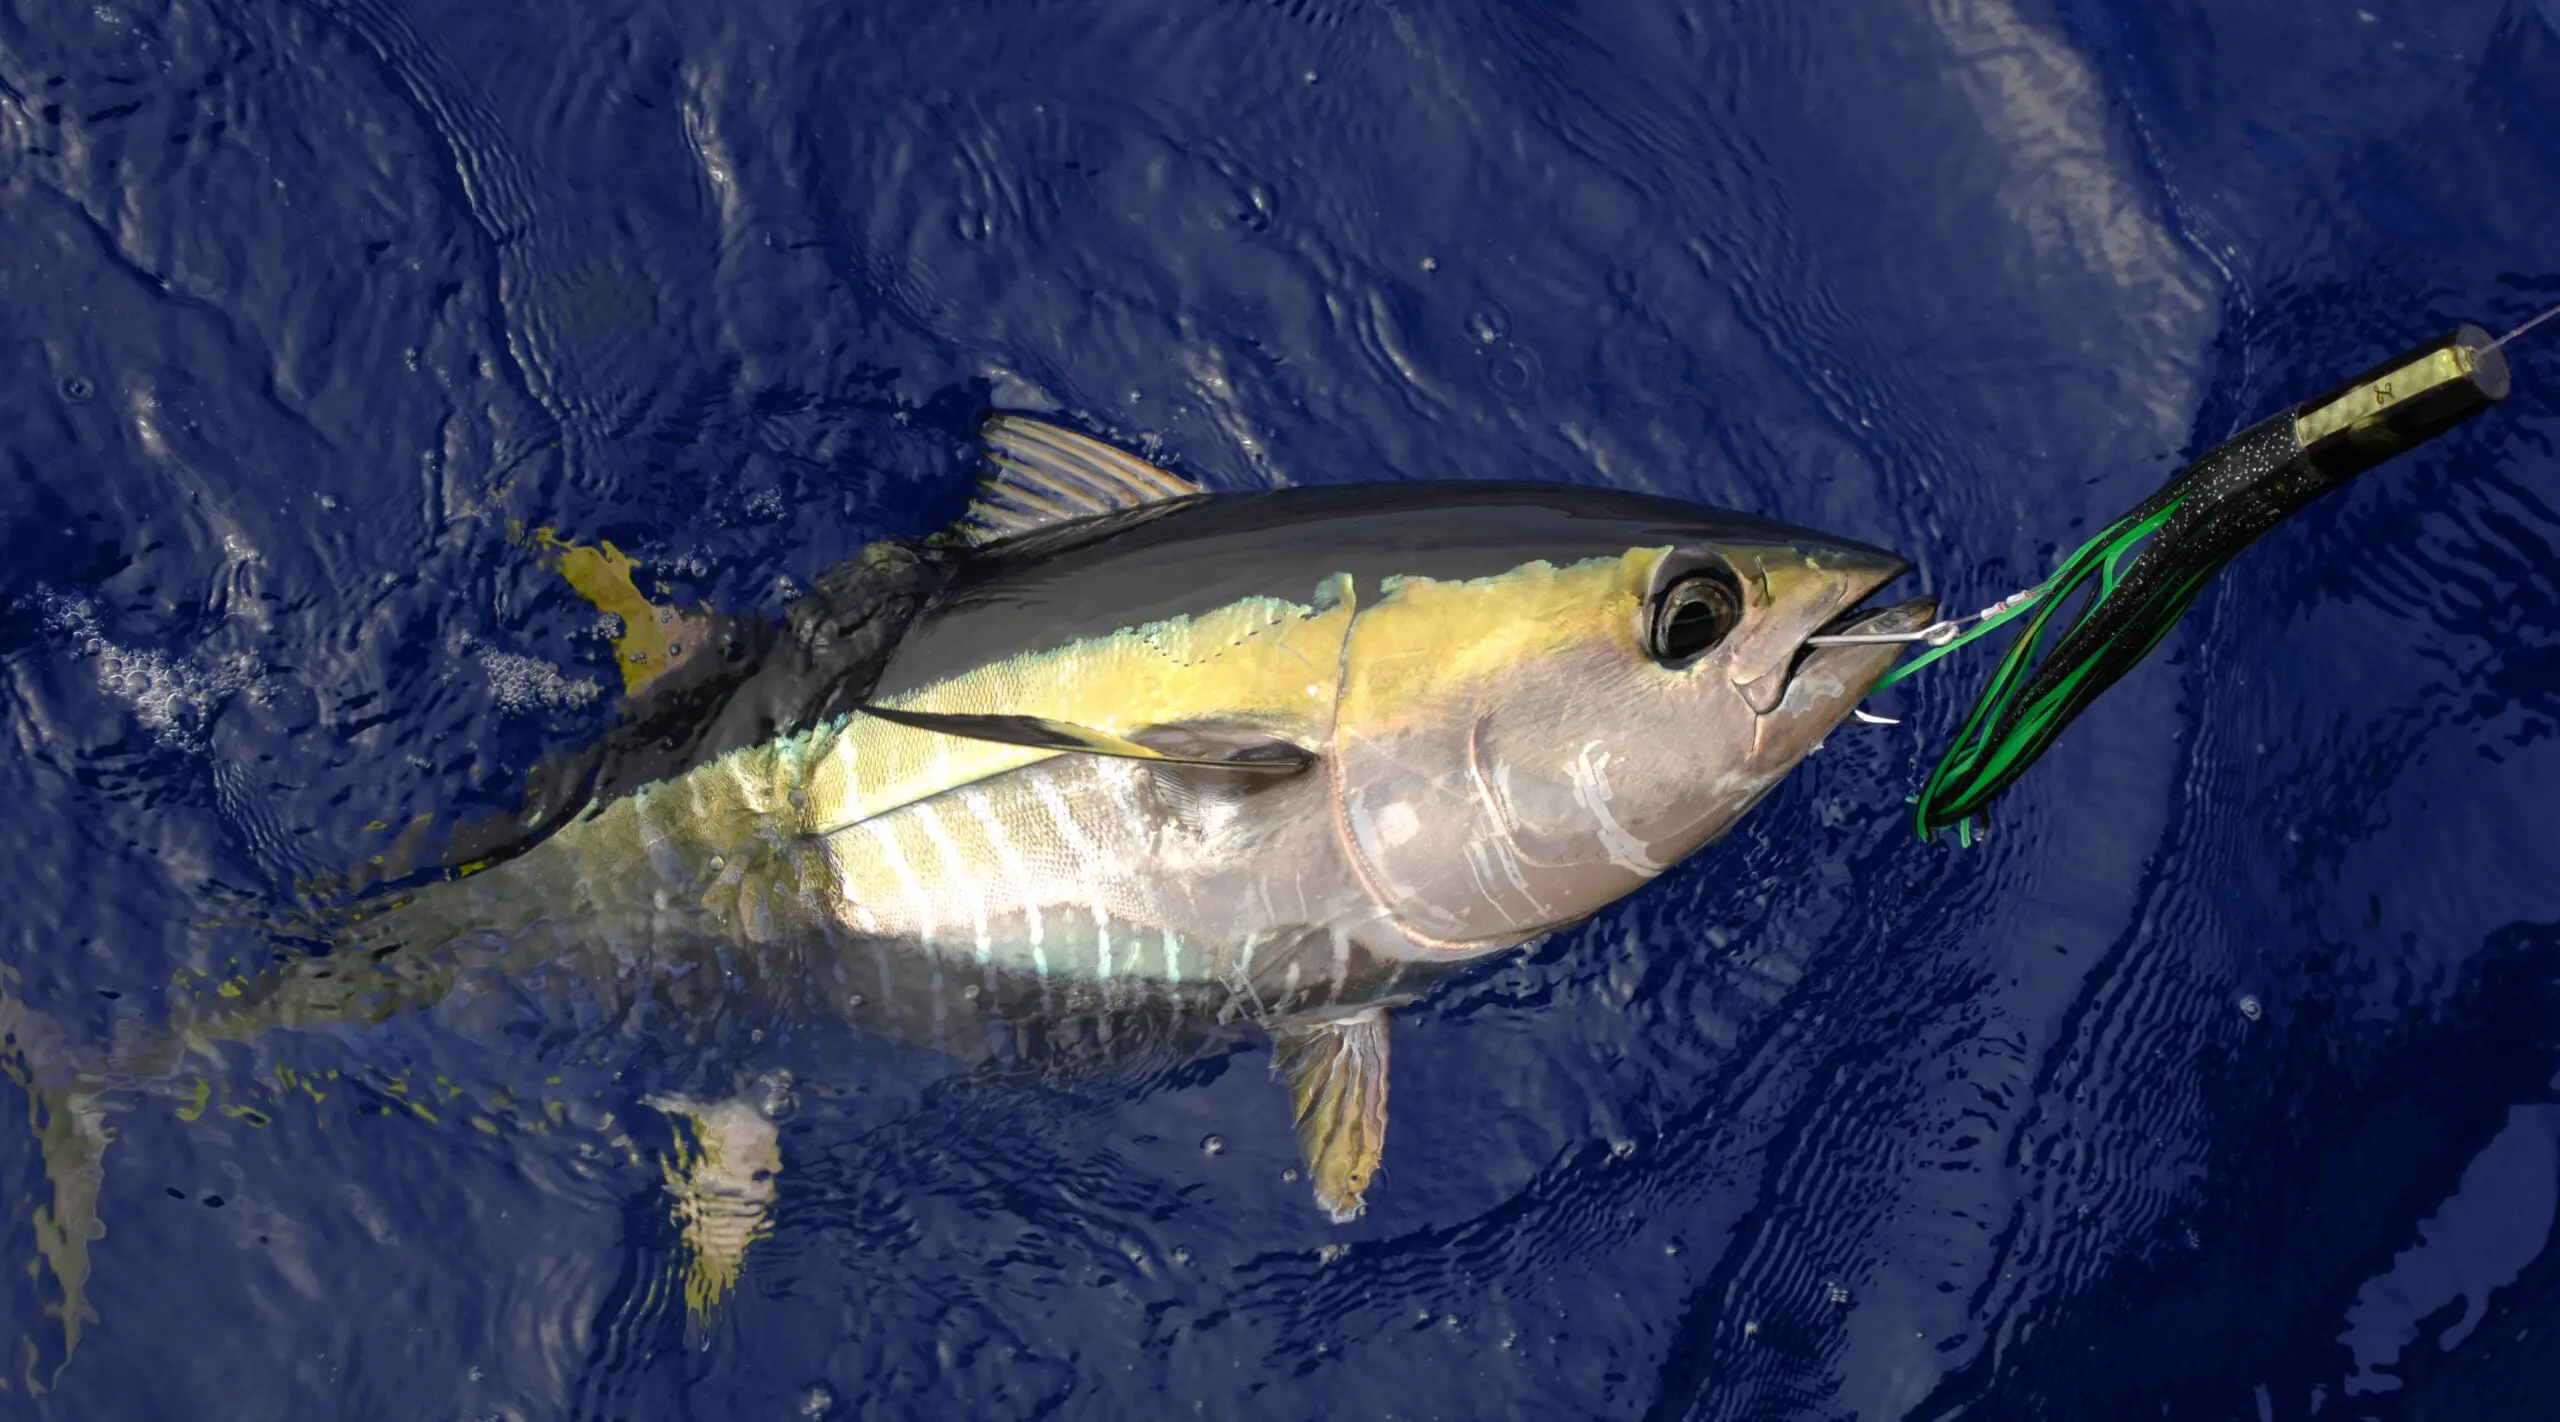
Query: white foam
[[172, 697], [528, 684]]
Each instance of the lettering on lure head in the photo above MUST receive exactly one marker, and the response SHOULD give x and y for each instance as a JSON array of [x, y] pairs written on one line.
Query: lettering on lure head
[[2137, 578]]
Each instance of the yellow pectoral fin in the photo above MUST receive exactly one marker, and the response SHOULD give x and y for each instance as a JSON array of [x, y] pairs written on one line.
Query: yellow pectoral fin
[[1337, 1075]]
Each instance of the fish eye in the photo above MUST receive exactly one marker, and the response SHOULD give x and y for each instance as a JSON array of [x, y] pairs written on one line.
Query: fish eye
[[1692, 615]]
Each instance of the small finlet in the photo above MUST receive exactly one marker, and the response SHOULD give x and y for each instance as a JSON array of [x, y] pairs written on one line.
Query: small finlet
[[1046, 476], [1268, 755], [1337, 1075]]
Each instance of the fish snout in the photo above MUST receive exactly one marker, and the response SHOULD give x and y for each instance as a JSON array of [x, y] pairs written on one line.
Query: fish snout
[[1796, 592], [1823, 683]]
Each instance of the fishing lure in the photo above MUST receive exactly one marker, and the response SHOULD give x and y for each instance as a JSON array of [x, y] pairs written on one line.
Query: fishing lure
[[2136, 579]]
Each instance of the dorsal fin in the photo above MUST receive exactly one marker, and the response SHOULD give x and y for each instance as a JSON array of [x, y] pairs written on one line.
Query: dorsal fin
[[1045, 476]]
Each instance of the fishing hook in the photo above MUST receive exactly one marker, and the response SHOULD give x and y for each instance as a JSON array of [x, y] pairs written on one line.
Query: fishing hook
[[1936, 634]]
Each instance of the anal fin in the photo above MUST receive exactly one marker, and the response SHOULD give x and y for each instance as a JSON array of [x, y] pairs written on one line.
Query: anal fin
[[1337, 1074], [721, 1187]]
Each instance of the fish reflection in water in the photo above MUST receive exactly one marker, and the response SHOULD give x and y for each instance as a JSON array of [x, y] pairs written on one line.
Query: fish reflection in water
[[1115, 767]]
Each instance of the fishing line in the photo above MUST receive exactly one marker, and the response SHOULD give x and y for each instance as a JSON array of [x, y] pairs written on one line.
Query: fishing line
[[2529, 325], [2128, 586]]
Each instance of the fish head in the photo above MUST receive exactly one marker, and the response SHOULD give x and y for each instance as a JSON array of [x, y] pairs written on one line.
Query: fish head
[[1515, 752]]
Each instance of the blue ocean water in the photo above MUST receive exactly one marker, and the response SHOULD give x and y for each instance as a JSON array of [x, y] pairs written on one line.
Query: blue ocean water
[[2219, 1079]]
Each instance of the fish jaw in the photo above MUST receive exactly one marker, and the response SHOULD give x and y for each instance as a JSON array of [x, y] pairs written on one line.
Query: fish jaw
[[1825, 683], [1793, 591]]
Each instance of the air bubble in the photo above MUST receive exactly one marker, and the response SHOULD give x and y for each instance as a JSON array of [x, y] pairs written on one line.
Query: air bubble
[[526, 684]]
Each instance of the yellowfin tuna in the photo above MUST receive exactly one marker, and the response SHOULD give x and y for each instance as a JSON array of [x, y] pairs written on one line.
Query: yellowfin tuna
[[1132, 763]]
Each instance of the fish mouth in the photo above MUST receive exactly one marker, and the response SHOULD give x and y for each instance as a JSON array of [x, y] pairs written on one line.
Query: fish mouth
[[1854, 668], [1908, 615]]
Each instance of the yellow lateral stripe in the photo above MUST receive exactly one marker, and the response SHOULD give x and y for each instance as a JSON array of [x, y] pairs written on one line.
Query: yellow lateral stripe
[[1428, 639]]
